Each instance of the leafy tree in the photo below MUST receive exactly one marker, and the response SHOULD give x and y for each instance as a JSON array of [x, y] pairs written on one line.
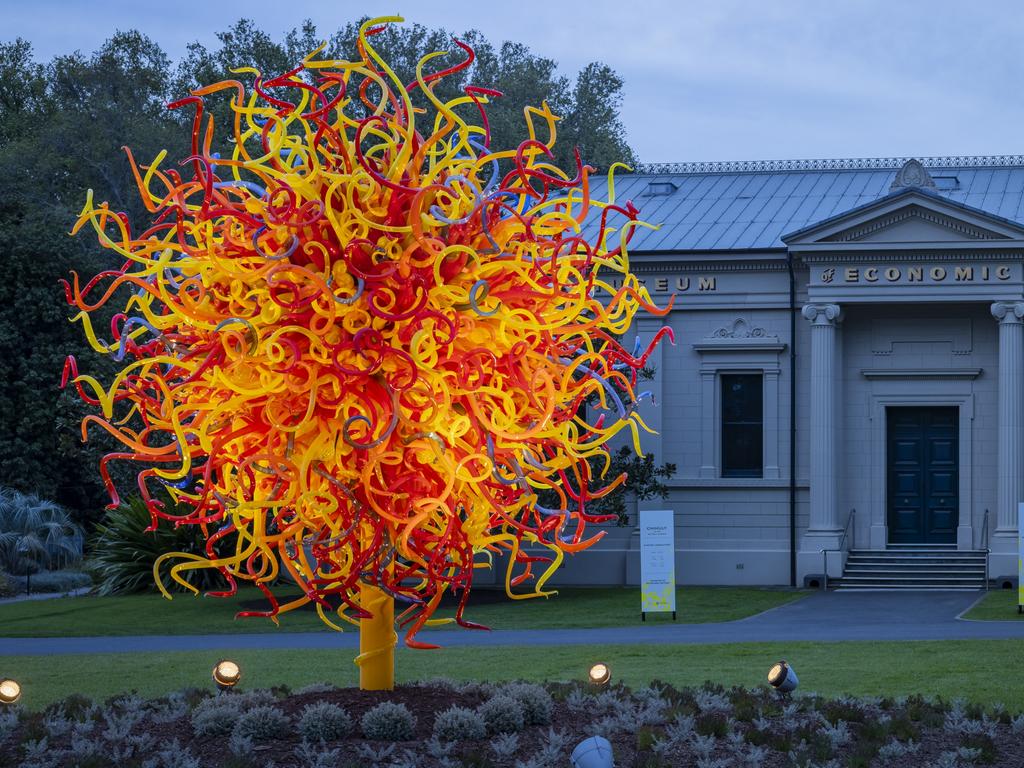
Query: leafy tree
[[62, 127], [512, 68], [644, 481], [592, 122]]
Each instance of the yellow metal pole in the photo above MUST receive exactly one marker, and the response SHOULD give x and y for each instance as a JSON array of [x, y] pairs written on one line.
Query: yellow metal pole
[[376, 640]]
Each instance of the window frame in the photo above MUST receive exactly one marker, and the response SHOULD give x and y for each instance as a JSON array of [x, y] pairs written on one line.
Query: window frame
[[741, 347], [723, 424]]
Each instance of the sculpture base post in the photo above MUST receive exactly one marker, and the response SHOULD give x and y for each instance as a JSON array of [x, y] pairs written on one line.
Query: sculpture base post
[[376, 640]]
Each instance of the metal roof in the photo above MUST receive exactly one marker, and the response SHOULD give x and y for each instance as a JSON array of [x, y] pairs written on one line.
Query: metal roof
[[750, 205]]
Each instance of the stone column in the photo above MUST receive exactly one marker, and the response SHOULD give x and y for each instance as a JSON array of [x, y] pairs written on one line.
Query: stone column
[[1011, 440], [824, 528]]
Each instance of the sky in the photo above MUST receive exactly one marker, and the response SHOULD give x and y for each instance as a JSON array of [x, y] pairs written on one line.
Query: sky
[[704, 80]]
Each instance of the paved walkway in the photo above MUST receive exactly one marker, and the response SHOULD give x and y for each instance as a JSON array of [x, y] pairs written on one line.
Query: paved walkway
[[45, 595], [821, 617]]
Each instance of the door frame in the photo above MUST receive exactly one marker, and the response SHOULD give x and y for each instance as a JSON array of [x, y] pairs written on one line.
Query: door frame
[[921, 415], [879, 531]]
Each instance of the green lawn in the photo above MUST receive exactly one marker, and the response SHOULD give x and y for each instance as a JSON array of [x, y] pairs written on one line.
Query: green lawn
[[573, 608], [973, 669], [997, 605]]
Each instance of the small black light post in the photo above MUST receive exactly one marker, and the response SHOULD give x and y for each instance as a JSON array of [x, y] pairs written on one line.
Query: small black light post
[[24, 550]]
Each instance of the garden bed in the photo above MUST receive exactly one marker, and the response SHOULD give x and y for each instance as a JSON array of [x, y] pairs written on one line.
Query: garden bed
[[519, 725]]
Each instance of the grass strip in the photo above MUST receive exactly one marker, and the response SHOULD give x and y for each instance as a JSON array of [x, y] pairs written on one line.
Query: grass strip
[[572, 608], [972, 669], [996, 605]]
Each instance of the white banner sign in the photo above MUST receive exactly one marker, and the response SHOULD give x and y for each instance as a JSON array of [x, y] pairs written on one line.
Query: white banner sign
[[657, 560], [1020, 556]]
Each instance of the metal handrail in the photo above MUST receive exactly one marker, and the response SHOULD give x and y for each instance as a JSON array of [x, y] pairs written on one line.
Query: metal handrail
[[984, 540], [842, 540]]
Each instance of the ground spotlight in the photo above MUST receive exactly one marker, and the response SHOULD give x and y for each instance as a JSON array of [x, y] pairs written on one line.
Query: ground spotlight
[[226, 674], [593, 752], [782, 677], [10, 691], [600, 673]]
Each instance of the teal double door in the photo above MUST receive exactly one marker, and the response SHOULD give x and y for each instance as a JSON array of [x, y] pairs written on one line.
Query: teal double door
[[922, 475]]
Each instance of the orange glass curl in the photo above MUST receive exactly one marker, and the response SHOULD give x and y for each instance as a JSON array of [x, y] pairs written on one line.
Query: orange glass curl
[[357, 349]]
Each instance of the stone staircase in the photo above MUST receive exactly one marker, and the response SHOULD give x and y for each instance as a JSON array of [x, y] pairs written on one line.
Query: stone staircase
[[913, 567]]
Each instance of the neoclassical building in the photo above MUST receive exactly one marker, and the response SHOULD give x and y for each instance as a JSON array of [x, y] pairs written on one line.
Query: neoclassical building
[[847, 374]]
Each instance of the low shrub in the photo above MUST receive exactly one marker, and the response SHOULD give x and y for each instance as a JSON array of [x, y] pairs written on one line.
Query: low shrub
[[537, 702], [388, 722], [324, 721], [216, 716], [248, 699], [6, 587], [262, 724], [503, 714], [458, 723]]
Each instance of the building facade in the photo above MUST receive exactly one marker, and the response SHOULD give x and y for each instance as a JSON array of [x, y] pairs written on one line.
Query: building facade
[[848, 365]]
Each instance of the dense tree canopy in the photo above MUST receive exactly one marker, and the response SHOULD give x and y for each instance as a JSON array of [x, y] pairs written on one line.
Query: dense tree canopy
[[63, 124]]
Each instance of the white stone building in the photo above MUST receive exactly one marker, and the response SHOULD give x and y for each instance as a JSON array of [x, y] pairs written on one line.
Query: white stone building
[[891, 293]]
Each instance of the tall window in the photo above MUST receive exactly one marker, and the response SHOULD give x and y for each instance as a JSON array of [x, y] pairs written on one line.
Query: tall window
[[742, 425]]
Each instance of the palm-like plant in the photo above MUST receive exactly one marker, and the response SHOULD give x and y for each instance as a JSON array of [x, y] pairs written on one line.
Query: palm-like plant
[[123, 551], [36, 533]]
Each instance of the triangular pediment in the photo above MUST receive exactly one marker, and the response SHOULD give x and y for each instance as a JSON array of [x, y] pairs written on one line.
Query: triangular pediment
[[908, 216], [913, 224]]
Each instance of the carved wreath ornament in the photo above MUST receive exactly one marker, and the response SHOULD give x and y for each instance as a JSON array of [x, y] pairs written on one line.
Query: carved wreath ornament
[[740, 329]]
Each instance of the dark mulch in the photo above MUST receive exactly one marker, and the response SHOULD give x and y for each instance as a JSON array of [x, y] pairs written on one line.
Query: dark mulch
[[790, 730]]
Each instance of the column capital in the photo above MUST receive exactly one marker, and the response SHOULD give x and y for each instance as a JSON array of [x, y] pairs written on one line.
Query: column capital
[[1008, 311], [822, 314]]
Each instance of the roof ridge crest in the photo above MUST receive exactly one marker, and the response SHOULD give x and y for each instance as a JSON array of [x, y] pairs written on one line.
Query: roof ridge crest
[[835, 164]]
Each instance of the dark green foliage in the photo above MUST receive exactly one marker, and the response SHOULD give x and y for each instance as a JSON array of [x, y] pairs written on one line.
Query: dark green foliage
[[973, 710], [989, 753], [902, 727], [102, 761], [712, 724], [870, 737], [746, 704], [32, 727], [474, 759], [62, 126], [758, 738], [645, 738], [807, 753], [872, 730], [592, 122], [74, 707], [649, 760], [124, 551], [644, 481], [836, 711]]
